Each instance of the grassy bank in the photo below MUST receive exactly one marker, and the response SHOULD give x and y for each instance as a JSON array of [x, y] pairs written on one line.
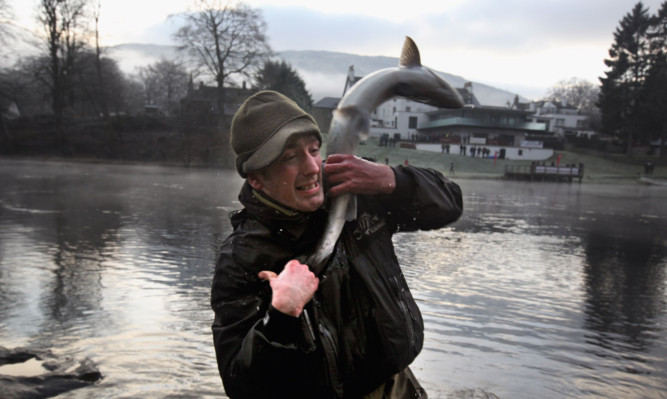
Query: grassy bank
[[596, 169], [178, 150]]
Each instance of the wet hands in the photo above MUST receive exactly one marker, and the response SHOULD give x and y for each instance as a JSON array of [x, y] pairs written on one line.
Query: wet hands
[[293, 288], [349, 174]]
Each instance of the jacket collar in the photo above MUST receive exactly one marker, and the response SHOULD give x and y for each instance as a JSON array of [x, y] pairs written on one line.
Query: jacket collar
[[280, 219]]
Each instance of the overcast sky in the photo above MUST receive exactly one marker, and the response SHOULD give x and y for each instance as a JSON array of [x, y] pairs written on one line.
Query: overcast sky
[[524, 46]]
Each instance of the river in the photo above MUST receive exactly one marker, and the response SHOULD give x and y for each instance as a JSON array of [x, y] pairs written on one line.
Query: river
[[540, 290]]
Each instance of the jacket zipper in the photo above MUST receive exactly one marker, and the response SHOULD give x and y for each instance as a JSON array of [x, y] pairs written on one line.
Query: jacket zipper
[[406, 314], [330, 353]]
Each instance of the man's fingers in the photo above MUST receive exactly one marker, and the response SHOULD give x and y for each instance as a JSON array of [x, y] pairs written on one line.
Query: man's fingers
[[267, 275]]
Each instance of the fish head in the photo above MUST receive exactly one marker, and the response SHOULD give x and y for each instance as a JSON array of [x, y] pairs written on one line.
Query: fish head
[[349, 125]]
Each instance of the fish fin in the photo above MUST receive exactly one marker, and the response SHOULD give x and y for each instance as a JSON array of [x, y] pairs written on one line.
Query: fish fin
[[351, 211], [409, 55]]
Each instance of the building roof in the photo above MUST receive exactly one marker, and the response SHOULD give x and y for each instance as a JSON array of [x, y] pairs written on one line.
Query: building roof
[[327, 102]]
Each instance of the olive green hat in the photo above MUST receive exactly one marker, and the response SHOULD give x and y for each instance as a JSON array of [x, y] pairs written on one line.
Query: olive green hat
[[263, 125]]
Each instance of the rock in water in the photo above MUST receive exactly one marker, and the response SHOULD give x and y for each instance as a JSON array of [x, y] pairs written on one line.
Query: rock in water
[[35, 373]]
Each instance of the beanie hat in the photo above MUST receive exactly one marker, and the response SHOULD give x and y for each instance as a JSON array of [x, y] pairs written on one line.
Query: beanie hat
[[263, 125]]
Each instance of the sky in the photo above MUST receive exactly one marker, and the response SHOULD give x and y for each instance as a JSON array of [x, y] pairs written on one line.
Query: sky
[[523, 46]]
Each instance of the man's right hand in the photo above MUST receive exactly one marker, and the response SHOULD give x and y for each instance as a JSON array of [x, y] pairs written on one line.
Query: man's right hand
[[293, 288]]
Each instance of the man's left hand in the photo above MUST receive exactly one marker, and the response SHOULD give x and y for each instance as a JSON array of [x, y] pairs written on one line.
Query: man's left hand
[[349, 174]]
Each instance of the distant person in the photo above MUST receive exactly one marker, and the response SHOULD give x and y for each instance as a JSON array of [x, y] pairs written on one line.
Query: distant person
[[451, 169], [406, 163]]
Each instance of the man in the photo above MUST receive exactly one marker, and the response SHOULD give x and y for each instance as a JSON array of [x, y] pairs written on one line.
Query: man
[[280, 331]]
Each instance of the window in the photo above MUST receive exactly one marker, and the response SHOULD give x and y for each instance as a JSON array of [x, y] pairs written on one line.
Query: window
[[412, 122]]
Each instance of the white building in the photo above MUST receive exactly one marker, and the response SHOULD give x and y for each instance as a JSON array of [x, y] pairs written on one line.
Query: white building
[[517, 130], [561, 119]]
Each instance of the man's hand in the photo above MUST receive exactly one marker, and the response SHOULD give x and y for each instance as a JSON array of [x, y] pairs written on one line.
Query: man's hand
[[293, 288], [349, 174]]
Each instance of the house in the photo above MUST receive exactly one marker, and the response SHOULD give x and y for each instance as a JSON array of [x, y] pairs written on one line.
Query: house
[[505, 130], [561, 119], [323, 112], [480, 126]]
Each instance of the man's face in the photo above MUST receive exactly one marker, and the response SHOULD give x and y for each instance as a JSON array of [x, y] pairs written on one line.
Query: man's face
[[295, 178]]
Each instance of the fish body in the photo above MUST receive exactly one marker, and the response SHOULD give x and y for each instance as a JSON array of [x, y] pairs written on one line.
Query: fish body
[[351, 122]]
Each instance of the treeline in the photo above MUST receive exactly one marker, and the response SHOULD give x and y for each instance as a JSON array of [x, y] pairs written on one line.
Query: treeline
[[633, 92], [223, 44]]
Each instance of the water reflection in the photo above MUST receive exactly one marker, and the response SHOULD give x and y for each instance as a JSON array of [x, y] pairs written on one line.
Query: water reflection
[[625, 288], [558, 286], [539, 291], [114, 263]]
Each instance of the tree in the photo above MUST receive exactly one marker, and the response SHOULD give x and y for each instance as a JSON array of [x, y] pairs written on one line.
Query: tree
[[578, 93], [91, 96], [6, 15], [165, 83], [20, 86], [98, 60], [653, 98], [628, 63], [279, 76], [226, 40], [61, 20]]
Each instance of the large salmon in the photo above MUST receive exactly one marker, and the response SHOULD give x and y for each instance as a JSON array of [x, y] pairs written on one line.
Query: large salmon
[[351, 122]]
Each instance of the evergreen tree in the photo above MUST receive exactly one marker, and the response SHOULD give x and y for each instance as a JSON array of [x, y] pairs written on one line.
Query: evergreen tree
[[654, 97], [629, 64], [281, 77]]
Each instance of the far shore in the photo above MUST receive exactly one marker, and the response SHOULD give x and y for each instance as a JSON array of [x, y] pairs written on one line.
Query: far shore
[[597, 169]]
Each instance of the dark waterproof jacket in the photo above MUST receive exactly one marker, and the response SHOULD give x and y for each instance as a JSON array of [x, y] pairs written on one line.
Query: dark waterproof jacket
[[363, 324]]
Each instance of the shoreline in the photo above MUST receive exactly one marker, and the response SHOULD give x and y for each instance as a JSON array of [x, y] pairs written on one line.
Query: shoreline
[[467, 169]]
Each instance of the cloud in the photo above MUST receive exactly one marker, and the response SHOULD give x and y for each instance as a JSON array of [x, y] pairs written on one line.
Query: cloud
[[513, 43], [300, 28]]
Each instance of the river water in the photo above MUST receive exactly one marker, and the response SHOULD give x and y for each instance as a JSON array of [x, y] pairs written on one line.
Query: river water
[[540, 290]]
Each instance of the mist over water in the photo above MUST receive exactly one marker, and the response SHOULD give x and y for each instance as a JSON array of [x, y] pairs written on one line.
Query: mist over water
[[539, 291]]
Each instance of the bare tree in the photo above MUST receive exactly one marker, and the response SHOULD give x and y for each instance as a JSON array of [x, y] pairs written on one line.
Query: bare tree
[[97, 5], [226, 39], [61, 20], [165, 83], [578, 93], [6, 15]]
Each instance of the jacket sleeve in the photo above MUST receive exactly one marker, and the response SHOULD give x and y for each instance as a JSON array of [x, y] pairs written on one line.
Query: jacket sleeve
[[260, 351], [423, 200]]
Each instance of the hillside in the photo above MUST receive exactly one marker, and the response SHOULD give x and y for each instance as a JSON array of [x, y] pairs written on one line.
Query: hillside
[[323, 71]]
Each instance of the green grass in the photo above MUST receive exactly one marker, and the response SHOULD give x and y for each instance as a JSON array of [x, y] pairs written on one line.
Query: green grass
[[596, 169]]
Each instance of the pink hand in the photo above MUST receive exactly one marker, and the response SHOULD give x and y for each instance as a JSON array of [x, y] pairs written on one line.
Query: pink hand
[[293, 288]]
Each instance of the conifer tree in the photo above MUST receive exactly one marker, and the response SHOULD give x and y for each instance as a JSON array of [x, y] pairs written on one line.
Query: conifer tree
[[629, 64], [654, 93], [281, 77]]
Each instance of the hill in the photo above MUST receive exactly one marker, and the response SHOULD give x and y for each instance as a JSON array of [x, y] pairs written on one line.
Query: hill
[[323, 71]]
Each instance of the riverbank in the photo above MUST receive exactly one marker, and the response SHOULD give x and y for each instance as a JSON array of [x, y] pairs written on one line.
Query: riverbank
[[597, 169]]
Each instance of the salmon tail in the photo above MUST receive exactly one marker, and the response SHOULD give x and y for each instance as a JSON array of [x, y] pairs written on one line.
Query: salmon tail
[[410, 57]]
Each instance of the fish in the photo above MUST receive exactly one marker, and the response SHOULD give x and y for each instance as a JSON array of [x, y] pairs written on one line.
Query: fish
[[351, 124]]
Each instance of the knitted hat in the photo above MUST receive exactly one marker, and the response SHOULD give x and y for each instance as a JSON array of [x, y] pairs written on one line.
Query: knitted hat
[[262, 127]]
